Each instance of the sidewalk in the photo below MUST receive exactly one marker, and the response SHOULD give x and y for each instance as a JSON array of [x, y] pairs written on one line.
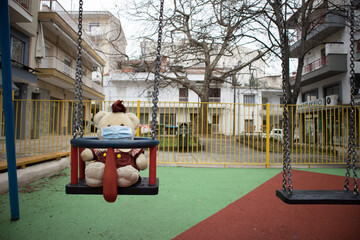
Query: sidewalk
[[33, 173]]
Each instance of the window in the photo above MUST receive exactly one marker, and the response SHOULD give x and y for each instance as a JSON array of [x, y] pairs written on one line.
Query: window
[[93, 26], [310, 96], [67, 65], [183, 95], [281, 99], [193, 117], [249, 98], [167, 118], [249, 125], [17, 50], [264, 100], [332, 90], [357, 83], [215, 95], [215, 119], [95, 29], [144, 118]]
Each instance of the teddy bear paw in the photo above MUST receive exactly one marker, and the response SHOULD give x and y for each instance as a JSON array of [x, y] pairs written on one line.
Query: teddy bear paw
[[127, 176]]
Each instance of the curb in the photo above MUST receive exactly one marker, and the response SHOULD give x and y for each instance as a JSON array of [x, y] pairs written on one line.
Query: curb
[[33, 173]]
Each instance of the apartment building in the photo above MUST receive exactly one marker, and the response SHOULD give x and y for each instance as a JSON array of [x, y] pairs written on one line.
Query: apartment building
[[23, 32], [44, 51], [325, 79], [107, 34]]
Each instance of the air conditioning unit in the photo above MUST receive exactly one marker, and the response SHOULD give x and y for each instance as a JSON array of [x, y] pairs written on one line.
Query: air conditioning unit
[[331, 100]]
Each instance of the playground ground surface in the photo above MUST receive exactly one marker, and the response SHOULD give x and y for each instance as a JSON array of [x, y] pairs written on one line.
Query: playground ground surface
[[193, 203]]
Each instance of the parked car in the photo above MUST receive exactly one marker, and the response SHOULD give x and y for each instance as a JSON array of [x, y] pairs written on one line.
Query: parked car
[[276, 134]]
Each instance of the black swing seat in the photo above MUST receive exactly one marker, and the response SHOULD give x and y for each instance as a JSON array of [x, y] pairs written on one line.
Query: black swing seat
[[142, 187], [319, 197]]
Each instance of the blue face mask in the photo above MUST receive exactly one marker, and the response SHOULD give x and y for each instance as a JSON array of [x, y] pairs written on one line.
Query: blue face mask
[[117, 132]]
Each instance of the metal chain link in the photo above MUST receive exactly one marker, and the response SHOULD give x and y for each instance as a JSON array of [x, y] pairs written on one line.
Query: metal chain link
[[352, 155], [78, 128], [155, 100], [287, 180]]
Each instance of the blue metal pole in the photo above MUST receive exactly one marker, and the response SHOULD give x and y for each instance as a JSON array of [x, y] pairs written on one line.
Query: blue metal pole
[[8, 108]]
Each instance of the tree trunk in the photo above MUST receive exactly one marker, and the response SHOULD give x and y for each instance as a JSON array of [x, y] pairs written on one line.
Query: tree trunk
[[204, 126]]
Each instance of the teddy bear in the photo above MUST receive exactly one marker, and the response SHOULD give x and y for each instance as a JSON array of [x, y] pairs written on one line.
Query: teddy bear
[[115, 125]]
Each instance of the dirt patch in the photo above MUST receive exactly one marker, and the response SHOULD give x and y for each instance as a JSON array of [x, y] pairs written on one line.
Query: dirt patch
[[29, 189], [61, 174], [34, 187]]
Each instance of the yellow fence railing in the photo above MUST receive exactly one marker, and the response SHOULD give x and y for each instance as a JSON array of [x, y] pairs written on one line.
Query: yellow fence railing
[[224, 134]]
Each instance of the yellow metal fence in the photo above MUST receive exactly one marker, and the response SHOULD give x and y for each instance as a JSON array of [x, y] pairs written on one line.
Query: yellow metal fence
[[224, 134]]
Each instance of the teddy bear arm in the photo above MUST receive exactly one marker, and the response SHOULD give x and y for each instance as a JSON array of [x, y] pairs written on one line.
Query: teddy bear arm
[[87, 155]]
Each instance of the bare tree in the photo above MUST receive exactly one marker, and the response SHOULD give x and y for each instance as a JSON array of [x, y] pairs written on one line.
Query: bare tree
[[207, 36], [289, 26]]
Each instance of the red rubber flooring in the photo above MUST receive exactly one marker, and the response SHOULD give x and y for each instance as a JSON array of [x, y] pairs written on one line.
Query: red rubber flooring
[[261, 215]]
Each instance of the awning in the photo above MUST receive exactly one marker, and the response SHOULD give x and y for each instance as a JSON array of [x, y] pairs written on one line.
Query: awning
[[40, 43]]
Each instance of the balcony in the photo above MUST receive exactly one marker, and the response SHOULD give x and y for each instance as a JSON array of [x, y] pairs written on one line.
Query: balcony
[[327, 26], [325, 67], [56, 19], [20, 11], [56, 72]]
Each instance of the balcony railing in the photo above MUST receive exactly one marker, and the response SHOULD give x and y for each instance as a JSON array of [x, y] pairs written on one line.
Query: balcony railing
[[58, 64], [315, 65], [25, 4]]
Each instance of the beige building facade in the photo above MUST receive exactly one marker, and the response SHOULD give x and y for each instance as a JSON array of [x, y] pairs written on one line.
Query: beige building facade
[[43, 37]]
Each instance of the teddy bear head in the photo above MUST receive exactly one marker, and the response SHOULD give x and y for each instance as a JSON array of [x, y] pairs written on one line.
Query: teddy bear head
[[118, 117]]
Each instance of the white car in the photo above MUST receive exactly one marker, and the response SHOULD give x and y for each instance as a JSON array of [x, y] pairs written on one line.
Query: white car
[[276, 134]]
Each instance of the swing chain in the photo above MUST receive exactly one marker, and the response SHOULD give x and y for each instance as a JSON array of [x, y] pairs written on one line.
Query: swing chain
[[155, 100], [352, 155], [287, 180], [78, 128]]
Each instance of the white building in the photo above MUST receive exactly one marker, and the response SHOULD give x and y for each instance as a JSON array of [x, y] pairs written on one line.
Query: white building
[[181, 105], [326, 75]]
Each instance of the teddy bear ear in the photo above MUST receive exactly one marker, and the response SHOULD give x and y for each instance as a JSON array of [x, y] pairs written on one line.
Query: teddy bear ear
[[135, 120], [99, 116]]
